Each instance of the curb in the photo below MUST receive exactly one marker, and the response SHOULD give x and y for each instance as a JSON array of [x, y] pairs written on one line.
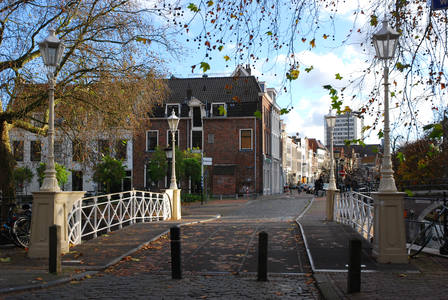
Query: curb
[[48, 284], [325, 287]]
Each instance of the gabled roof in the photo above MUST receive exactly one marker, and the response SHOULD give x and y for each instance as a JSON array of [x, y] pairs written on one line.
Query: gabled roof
[[214, 89]]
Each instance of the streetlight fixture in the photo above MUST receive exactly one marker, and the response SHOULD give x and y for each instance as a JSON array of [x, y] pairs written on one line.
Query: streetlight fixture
[[331, 122], [51, 50], [173, 122], [385, 42], [389, 239]]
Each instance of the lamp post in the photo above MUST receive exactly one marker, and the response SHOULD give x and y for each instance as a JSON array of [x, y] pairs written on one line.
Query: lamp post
[[385, 42], [51, 50], [332, 189], [337, 155], [173, 122], [389, 239], [331, 122]]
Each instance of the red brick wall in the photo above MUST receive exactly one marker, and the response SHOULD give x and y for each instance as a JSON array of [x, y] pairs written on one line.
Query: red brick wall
[[224, 184], [224, 150]]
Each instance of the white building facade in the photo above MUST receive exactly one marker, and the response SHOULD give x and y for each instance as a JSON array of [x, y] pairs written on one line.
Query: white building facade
[[348, 127]]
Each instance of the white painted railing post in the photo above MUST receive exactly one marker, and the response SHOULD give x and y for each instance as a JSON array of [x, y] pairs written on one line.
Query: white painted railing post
[[95, 217]]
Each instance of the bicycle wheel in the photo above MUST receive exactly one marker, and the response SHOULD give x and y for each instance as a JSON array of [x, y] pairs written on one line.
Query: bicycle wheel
[[420, 241], [21, 232]]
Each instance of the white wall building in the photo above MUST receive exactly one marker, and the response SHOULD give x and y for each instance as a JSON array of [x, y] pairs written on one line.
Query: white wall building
[[348, 127], [30, 149]]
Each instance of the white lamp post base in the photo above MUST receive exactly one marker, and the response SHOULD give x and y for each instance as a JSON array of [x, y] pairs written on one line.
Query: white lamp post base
[[389, 236]]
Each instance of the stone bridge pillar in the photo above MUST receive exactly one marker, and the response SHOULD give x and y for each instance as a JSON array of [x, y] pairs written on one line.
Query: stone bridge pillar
[[50, 208]]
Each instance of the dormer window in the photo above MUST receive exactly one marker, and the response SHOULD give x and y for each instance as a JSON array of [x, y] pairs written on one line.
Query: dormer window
[[219, 110], [170, 107]]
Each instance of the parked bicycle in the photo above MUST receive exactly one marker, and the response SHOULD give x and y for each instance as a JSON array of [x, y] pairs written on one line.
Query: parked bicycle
[[16, 227], [435, 231]]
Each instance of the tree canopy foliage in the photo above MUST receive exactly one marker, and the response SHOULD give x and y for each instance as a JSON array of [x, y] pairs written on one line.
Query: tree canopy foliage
[[263, 31], [110, 76], [110, 173]]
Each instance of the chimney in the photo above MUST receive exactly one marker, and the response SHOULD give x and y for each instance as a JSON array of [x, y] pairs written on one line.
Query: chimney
[[189, 92], [248, 69]]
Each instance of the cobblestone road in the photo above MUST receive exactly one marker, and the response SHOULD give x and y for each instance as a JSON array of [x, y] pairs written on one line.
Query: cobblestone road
[[220, 262]]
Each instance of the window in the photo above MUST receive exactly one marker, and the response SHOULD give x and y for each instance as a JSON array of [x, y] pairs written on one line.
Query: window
[[17, 147], [37, 119], [169, 138], [127, 182], [197, 118], [219, 110], [196, 139], [103, 147], [120, 150], [152, 140], [35, 148], [150, 183], [245, 139], [77, 181], [76, 151], [57, 151], [170, 107]]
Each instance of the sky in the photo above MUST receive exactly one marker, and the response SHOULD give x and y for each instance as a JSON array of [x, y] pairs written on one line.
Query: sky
[[308, 100]]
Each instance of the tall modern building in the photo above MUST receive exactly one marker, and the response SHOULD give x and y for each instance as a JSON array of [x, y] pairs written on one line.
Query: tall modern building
[[348, 127]]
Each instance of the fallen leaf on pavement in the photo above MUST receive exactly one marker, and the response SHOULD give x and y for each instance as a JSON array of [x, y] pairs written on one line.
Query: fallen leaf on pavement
[[39, 279], [402, 275], [5, 259]]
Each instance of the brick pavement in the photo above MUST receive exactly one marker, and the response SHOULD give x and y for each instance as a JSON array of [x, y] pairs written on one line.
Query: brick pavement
[[212, 285]]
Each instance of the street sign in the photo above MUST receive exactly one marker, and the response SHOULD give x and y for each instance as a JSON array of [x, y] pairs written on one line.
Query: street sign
[[207, 161], [195, 151], [342, 172], [439, 4]]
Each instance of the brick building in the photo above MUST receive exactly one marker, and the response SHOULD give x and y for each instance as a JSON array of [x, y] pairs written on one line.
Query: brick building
[[217, 114]]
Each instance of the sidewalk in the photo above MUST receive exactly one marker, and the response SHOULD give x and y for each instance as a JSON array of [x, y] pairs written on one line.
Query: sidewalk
[[327, 247]]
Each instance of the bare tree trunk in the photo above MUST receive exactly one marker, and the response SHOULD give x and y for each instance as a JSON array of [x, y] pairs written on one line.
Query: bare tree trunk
[[6, 167]]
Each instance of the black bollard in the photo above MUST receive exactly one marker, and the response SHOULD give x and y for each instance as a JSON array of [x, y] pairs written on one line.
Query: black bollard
[[263, 256], [176, 254], [354, 266], [54, 264]]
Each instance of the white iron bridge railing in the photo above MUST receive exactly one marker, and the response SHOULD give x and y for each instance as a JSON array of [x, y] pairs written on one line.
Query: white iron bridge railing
[[356, 210], [98, 215]]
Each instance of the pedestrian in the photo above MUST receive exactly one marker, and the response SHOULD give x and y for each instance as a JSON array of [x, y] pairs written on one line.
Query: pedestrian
[[354, 185], [316, 187], [299, 188], [347, 182]]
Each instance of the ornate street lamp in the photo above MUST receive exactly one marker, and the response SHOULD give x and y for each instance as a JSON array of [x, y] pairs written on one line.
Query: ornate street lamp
[[51, 50], [331, 122], [389, 239], [385, 42], [173, 122]]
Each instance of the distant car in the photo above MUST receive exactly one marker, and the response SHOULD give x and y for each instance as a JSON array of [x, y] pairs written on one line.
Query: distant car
[[310, 189]]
